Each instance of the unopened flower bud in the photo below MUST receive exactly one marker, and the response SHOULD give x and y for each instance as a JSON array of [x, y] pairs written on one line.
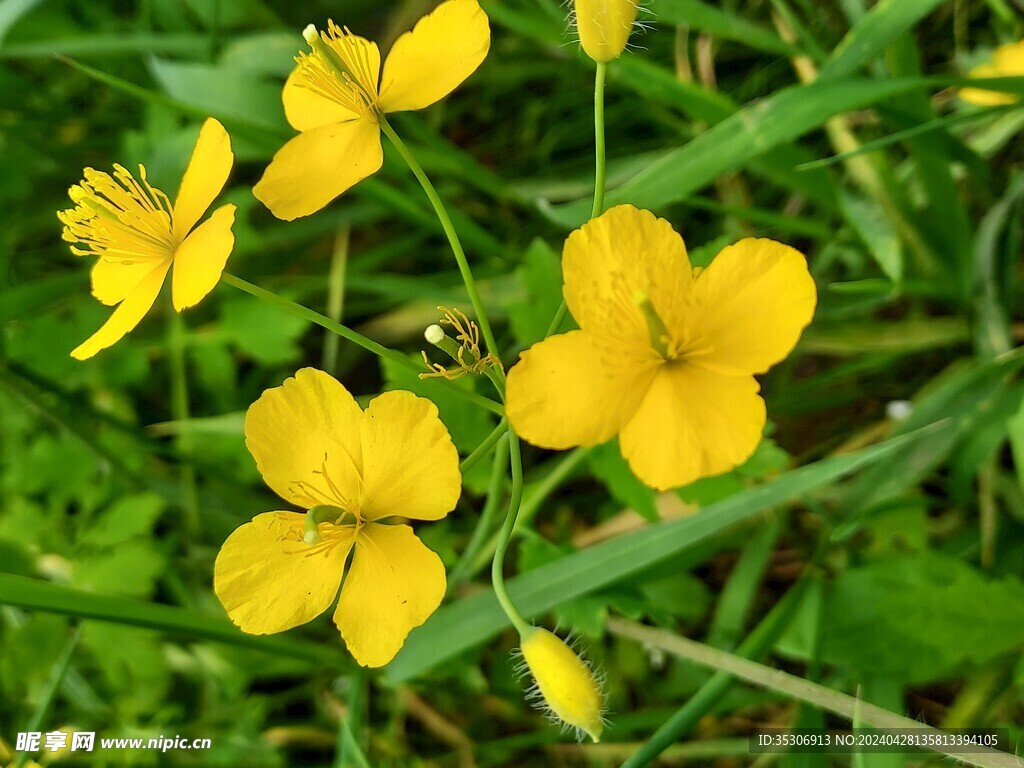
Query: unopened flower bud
[[604, 26], [566, 682]]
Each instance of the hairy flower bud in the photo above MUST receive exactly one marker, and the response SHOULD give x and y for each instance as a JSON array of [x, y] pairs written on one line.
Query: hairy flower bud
[[604, 26], [567, 684]]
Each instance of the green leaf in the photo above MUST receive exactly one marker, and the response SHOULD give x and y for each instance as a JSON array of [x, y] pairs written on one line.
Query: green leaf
[[468, 622], [130, 569], [610, 468], [530, 310], [919, 617], [727, 26], [129, 517], [877, 232], [222, 90], [872, 33], [11, 11], [269, 336], [34, 594]]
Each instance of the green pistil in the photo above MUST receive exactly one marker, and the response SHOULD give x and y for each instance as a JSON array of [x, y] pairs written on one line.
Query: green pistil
[[327, 54], [322, 513], [659, 333]]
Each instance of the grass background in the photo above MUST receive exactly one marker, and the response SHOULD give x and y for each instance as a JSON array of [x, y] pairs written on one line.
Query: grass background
[[833, 126]]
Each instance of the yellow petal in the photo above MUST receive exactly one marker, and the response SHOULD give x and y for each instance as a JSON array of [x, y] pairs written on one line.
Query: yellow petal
[[1009, 58], [200, 259], [204, 178], [574, 389], [443, 49], [410, 465], [268, 579], [112, 281], [615, 259], [127, 315], [316, 166], [982, 96], [393, 585], [754, 301], [304, 436], [693, 423], [306, 109], [1007, 61]]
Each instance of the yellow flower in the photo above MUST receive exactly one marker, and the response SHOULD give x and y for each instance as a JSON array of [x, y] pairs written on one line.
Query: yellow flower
[[138, 234], [565, 683], [351, 469], [604, 26], [664, 358], [333, 98], [1007, 61]]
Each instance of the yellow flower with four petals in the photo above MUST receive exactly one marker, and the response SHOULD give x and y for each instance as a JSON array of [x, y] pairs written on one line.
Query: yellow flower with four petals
[[665, 356], [138, 235], [334, 99], [352, 470]]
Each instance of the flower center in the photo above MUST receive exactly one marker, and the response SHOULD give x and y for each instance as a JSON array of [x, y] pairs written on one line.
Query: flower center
[[339, 69], [119, 218], [661, 339], [325, 513]]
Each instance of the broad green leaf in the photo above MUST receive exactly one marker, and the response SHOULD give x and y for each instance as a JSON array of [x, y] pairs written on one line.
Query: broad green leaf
[[610, 468], [133, 665], [129, 517], [265, 53], [131, 568], [468, 622], [268, 335], [918, 617], [540, 279], [222, 90], [872, 33], [34, 594]]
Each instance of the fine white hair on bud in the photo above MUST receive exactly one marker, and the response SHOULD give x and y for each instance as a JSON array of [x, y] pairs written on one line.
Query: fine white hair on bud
[[604, 26], [310, 33], [434, 334], [565, 683]]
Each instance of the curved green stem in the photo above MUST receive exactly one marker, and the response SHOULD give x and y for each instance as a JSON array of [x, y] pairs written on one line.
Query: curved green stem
[[355, 337], [497, 564], [449, 230], [600, 171], [481, 450]]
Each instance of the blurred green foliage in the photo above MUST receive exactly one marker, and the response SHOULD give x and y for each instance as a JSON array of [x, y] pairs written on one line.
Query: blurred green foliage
[[907, 201]]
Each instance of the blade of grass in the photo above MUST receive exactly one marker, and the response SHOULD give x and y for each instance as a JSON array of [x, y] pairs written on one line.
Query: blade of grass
[[756, 644], [37, 595], [872, 33], [802, 690], [470, 621], [719, 23]]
